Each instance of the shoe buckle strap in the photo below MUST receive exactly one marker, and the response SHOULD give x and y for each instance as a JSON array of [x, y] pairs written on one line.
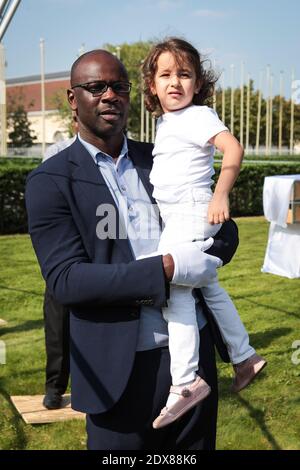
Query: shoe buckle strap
[[184, 392]]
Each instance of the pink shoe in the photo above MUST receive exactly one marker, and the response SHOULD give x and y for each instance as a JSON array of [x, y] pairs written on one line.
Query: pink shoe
[[189, 397], [246, 371]]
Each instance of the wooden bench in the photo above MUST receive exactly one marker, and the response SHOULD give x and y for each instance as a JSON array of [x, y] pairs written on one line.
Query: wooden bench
[[32, 410]]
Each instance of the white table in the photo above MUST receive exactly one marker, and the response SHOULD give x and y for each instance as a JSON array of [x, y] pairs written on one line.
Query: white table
[[283, 249]]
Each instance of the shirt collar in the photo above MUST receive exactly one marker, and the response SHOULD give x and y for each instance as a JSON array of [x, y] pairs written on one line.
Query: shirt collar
[[93, 151]]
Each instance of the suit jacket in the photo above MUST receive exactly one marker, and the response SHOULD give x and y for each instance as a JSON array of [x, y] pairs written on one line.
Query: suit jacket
[[99, 279]]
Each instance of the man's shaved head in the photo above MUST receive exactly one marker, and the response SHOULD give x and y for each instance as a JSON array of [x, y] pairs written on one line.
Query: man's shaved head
[[79, 64], [101, 118]]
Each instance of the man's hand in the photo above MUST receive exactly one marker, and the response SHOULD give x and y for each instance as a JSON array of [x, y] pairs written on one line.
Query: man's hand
[[169, 266], [193, 267], [202, 267]]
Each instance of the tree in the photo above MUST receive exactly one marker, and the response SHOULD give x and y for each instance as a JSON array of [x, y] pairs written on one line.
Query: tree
[[286, 116], [60, 101], [132, 56], [21, 135]]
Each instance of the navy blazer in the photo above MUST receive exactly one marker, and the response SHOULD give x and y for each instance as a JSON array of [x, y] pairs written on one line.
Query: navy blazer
[[99, 279]]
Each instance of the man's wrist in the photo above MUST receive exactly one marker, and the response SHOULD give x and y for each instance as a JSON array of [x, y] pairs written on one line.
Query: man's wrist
[[169, 266]]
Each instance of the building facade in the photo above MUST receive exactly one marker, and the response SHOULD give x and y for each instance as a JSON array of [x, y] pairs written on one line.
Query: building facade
[[28, 91]]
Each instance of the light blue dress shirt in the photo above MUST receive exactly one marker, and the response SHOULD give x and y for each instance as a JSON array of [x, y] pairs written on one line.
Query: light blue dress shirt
[[142, 224]]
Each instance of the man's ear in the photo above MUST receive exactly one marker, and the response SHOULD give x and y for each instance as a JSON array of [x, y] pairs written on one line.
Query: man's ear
[[72, 99]]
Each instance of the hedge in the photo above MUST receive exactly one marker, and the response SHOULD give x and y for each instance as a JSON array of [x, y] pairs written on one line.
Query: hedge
[[13, 173], [269, 158], [245, 199], [273, 158]]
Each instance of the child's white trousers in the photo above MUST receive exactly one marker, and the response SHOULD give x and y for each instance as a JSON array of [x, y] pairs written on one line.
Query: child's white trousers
[[185, 222]]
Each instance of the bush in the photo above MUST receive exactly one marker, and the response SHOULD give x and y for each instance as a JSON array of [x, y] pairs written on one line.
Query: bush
[[287, 158], [245, 198], [282, 158], [13, 173], [14, 162]]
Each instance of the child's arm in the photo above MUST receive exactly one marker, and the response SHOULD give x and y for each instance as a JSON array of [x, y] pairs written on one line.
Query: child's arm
[[218, 210]]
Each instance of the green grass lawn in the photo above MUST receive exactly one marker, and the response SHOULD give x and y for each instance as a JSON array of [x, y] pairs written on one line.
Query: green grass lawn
[[264, 416]]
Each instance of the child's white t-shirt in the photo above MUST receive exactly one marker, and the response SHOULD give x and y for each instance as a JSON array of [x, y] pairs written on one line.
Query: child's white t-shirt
[[183, 157]]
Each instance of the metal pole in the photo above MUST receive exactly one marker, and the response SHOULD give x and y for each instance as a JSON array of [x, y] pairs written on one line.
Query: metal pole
[[142, 131], [153, 124], [248, 115], [292, 116], [242, 106], [232, 101], [214, 95], [223, 96], [271, 114], [142, 128], [118, 48], [8, 17], [258, 115], [267, 109], [3, 102], [42, 50], [147, 126], [214, 100], [280, 113], [2, 6]]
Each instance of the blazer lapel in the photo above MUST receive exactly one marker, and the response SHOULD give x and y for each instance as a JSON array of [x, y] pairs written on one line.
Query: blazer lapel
[[141, 155], [93, 187]]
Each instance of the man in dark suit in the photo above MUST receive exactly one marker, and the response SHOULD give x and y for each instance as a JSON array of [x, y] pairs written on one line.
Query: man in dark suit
[[56, 323], [89, 211]]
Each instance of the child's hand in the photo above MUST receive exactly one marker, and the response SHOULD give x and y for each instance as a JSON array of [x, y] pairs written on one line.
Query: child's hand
[[218, 209]]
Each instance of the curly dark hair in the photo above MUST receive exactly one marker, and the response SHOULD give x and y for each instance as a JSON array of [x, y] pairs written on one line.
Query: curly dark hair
[[182, 52]]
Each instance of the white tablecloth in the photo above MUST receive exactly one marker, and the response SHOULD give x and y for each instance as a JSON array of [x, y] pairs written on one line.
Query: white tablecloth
[[283, 249], [276, 197]]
